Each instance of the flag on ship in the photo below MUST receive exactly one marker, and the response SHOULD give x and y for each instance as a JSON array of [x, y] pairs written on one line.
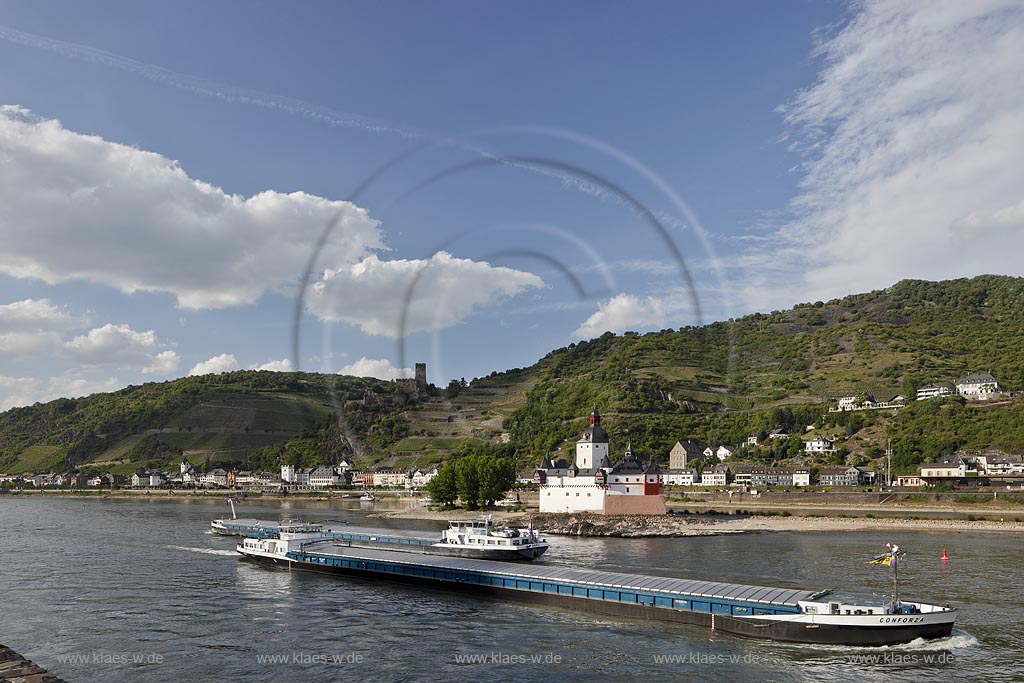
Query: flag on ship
[[889, 557]]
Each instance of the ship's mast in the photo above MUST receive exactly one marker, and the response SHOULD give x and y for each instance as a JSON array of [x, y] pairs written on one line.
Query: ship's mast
[[894, 565]]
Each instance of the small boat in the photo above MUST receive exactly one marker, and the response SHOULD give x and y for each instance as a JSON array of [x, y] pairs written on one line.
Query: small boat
[[367, 498]]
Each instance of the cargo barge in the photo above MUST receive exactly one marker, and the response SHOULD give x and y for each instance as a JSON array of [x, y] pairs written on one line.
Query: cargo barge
[[780, 614]]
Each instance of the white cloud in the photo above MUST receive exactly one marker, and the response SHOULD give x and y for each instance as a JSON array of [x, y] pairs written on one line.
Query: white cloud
[[35, 314], [225, 362], [24, 391], [913, 134], [381, 368], [623, 312], [441, 291], [983, 222], [76, 206], [32, 326], [283, 365], [163, 363], [120, 344]]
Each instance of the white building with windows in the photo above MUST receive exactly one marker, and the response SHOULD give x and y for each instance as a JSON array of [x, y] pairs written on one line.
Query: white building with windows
[[801, 476], [935, 390], [719, 475], [323, 477], [592, 484], [680, 477], [819, 444], [977, 386]]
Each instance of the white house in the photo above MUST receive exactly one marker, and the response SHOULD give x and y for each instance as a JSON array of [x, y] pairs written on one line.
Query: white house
[[752, 440], [719, 475], [908, 481], [680, 477], [724, 453], [819, 444], [947, 467], [390, 477], [215, 477], [977, 386], [801, 477], [779, 433], [288, 474], [323, 477], [422, 477], [848, 403], [934, 390], [1001, 463]]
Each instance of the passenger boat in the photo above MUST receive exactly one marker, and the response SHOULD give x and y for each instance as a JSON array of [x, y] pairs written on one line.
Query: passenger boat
[[781, 614], [480, 539]]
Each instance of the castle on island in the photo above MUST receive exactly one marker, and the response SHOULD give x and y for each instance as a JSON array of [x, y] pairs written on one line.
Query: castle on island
[[593, 484]]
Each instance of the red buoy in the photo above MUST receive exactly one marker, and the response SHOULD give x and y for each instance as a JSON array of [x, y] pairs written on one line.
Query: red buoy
[[945, 557]]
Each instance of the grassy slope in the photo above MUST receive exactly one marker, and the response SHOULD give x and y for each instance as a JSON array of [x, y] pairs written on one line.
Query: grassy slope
[[223, 416]]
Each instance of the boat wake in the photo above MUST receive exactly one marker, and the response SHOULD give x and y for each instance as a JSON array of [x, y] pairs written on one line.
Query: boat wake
[[958, 640], [204, 551]]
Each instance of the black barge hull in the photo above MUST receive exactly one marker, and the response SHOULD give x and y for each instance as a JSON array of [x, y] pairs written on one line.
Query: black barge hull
[[762, 629]]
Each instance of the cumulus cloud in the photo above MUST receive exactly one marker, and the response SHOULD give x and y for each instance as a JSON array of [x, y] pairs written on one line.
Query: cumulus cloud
[[912, 136], [76, 206], [442, 291], [32, 326], [225, 362], [283, 365], [121, 344], [24, 391], [623, 312], [163, 363], [381, 368]]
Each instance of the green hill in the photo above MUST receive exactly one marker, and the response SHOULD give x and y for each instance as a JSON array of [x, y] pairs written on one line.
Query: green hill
[[716, 383], [721, 382], [230, 417]]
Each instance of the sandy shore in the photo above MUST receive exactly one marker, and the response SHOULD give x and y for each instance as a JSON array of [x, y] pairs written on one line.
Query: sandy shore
[[701, 525]]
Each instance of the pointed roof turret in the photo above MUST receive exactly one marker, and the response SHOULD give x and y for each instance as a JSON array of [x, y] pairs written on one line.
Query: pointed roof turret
[[594, 433]]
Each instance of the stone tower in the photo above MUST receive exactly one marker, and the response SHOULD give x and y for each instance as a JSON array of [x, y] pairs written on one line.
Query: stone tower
[[421, 376]]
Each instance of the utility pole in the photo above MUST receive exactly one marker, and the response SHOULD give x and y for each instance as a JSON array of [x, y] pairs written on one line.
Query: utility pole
[[888, 463]]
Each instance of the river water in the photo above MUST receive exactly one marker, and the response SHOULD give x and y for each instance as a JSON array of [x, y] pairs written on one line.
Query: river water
[[137, 590]]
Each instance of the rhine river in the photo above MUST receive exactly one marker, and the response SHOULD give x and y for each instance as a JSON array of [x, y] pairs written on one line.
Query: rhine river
[[133, 590]]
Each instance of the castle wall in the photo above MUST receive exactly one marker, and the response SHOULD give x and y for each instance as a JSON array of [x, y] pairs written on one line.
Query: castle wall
[[580, 498], [634, 505]]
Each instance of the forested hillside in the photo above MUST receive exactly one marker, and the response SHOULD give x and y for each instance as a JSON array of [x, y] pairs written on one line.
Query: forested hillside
[[716, 384], [721, 382]]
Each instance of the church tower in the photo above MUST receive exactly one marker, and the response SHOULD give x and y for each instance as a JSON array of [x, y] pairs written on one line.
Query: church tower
[[592, 447]]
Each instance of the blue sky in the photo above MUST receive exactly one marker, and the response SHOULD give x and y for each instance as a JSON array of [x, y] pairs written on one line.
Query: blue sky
[[508, 177]]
